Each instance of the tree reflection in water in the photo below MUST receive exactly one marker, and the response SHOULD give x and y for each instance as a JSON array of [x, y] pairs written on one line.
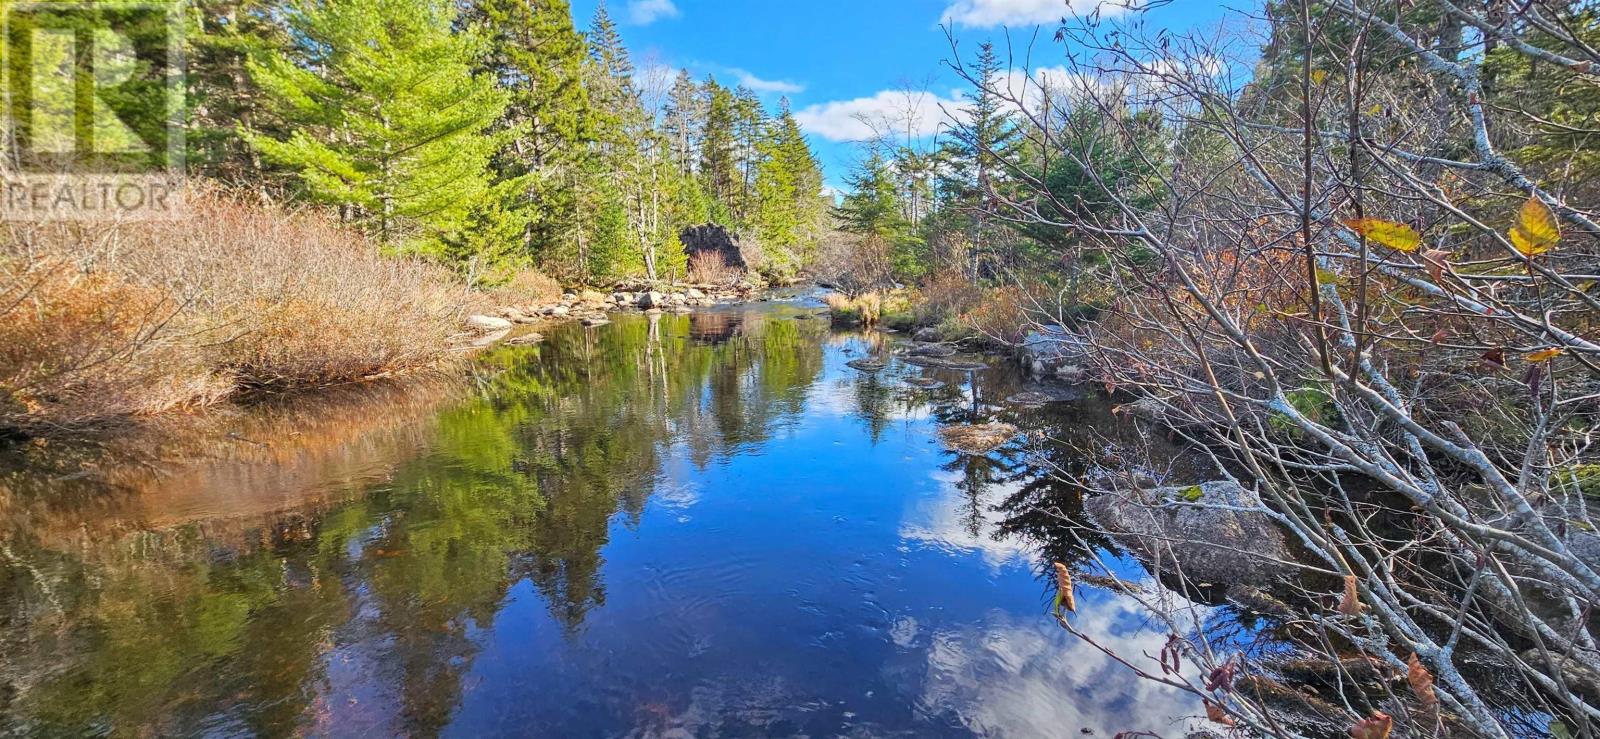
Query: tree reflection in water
[[366, 606]]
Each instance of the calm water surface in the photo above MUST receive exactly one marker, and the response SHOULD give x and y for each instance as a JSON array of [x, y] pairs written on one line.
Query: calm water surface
[[702, 525]]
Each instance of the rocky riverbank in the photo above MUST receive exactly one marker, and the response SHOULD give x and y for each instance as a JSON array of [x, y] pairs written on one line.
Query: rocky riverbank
[[592, 307]]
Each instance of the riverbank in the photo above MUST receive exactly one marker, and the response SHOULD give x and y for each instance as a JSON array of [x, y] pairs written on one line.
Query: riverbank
[[110, 328]]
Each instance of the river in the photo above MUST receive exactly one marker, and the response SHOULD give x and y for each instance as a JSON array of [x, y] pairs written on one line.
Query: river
[[673, 526]]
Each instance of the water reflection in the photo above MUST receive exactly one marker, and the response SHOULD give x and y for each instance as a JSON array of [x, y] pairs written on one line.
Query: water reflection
[[672, 525]]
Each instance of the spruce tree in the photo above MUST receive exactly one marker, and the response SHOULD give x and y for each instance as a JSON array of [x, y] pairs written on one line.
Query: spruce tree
[[973, 153], [749, 133], [681, 122], [718, 156], [389, 120]]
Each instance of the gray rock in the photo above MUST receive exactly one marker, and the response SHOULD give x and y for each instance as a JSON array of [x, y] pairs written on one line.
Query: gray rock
[[928, 334], [622, 298], [929, 350], [488, 323], [651, 299], [595, 321], [695, 293], [1170, 529], [865, 365], [1052, 347]]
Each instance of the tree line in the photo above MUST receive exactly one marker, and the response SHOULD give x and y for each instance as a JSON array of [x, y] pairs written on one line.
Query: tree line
[[493, 135]]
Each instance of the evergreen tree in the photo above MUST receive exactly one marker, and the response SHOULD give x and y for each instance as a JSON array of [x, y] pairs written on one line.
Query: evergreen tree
[[973, 154], [749, 133], [223, 96], [538, 56], [790, 209], [718, 156], [681, 122], [389, 120]]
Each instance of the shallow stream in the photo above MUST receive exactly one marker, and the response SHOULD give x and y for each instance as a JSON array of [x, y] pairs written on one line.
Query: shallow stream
[[678, 525]]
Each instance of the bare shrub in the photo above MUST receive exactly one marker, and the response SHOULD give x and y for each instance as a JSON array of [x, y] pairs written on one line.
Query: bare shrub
[[1342, 291], [707, 267], [107, 322]]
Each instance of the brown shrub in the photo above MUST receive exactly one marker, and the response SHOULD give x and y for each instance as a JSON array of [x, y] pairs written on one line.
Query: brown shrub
[[105, 322], [1001, 315], [944, 297], [525, 287], [709, 268]]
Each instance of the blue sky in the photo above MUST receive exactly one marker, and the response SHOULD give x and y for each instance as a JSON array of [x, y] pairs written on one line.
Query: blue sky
[[834, 59]]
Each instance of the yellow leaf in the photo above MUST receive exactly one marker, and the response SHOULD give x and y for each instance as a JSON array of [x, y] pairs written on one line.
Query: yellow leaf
[[1536, 230], [1375, 109], [1318, 76], [1389, 233], [1545, 355]]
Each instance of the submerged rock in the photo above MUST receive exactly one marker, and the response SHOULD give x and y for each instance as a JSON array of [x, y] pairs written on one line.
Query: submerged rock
[[977, 438], [1170, 528], [1040, 396], [926, 383], [946, 363], [528, 338], [865, 365]]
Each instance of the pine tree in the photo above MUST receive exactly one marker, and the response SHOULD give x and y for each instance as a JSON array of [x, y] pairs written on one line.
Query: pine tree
[[538, 56], [389, 120]]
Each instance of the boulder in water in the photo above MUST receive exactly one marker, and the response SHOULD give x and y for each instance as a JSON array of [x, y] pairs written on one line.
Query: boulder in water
[[1173, 528], [920, 349], [488, 323], [865, 365]]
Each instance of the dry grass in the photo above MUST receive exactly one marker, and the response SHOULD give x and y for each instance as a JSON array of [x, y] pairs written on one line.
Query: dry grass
[[528, 287], [101, 324], [865, 309]]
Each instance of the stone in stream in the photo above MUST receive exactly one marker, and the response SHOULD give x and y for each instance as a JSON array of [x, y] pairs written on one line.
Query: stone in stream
[[977, 438], [865, 365], [528, 338], [926, 383], [1040, 396], [929, 350], [488, 323], [1172, 528], [945, 363], [651, 299], [596, 321]]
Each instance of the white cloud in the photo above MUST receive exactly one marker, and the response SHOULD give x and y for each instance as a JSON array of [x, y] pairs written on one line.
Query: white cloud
[[889, 111], [760, 85], [645, 12], [991, 13]]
